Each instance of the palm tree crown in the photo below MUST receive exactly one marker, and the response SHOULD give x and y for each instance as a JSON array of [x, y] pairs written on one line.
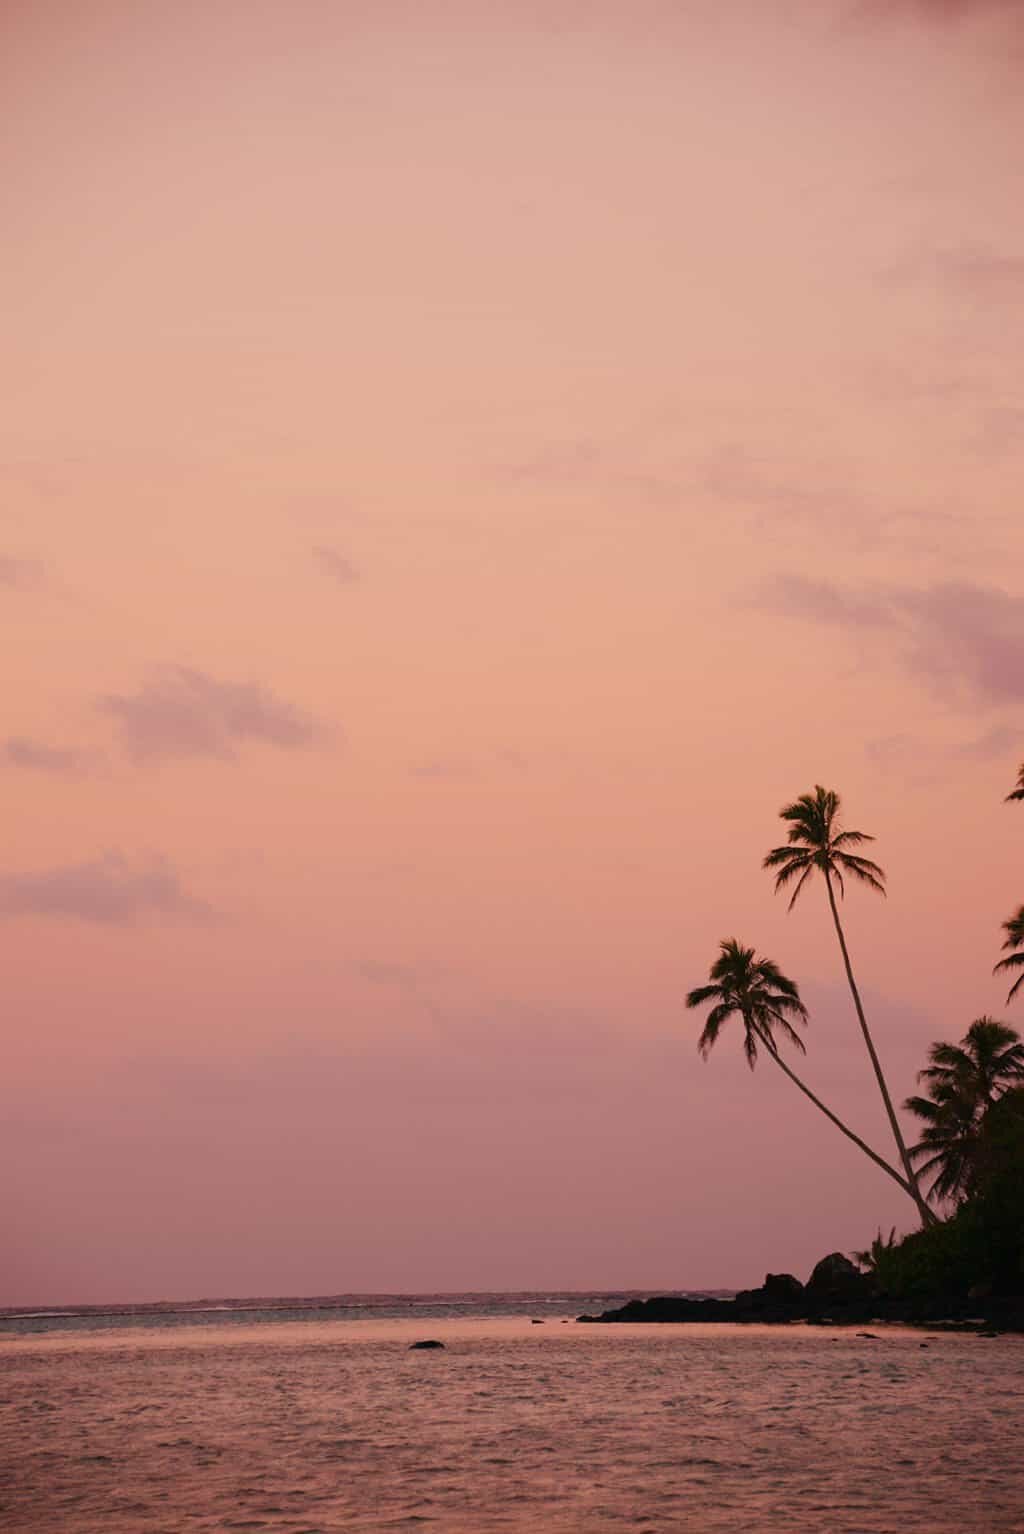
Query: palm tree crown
[[948, 1146], [988, 1059], [756, 991], [815, 841], [1018, 792], [1014, 947], [964, 1080]]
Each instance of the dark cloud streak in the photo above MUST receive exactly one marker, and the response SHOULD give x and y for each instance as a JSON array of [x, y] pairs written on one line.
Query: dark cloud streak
[[109, 891], [21, 574], [963, 638], [182, 712], [340, 569], [34, 756]]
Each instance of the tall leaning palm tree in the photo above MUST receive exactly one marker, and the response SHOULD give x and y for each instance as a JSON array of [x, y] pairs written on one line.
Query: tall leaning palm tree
[[1014, 948], [1018, 792], [817, 844], [767, 1003]]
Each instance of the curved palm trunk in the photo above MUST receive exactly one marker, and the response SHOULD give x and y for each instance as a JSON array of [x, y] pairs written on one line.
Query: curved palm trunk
[[843, 1128], [928, 1216]]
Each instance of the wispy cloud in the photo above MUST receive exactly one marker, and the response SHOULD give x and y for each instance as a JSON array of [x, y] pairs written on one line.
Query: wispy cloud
[[971, 271], [110, 891], [34, 756], [1002, 740], [801, 596], [935, 10], [453, 768], [21, 574], [443, 768], [965, 639], [924, 758], [555, 462], [183, 712], [336, 565], [385, 972]]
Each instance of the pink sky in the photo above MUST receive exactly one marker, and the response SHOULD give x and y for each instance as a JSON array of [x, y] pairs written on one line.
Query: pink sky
[[465, 466]]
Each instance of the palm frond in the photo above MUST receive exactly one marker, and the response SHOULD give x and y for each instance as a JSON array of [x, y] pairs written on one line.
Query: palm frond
[[1014, 929], [1018, 792], [1016, 961], [783, 1023], [808, 871], [861, 868], [789, 859], [712, 1027], [702, 995]]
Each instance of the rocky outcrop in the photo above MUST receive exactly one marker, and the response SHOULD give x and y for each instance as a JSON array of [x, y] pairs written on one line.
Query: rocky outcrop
[[836, 1281], [837, 1293]]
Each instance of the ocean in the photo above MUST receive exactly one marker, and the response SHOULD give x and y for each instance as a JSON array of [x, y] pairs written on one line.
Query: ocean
[[314, 1417]]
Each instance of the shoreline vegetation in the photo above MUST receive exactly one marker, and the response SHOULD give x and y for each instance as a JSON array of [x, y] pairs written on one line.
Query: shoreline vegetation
[[965, 1175]]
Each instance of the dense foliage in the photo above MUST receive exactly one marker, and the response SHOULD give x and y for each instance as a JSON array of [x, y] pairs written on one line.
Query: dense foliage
[[979, 1250]]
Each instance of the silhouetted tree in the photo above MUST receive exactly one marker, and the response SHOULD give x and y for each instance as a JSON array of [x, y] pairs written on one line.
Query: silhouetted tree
[[964, 1080], [877, 1259], [817, 844], [1014, 929], [767, 1002], [1018, 792]]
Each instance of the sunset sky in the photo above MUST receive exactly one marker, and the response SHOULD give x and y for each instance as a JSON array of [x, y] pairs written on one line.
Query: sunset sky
[[464, 467]]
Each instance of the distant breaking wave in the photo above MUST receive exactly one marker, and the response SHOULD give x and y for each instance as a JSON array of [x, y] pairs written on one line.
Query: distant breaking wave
[[348, 1307]]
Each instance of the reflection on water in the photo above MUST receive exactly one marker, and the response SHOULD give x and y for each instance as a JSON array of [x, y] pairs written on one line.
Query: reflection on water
[[330, 1426]]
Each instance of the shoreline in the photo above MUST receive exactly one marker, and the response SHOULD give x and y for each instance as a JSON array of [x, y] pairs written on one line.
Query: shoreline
[[836, 1294]]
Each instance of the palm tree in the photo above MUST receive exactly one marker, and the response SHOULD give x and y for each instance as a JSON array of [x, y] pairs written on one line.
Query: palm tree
[[816, 843], [948, 1147], [964, 1080], [877, 1259], [765, 1000], [988, 1060], [1018, 792], [1014, 929]]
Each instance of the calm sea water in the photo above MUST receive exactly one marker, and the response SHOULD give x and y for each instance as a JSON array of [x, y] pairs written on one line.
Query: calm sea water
[[268, 1421]]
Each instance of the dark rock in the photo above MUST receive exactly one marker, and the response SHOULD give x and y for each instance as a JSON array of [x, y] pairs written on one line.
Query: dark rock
[[669, 1307], [871, 1336], [837, 1294], [535, 1322], [430, 1343], [782, 1289], [837, 1281]]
